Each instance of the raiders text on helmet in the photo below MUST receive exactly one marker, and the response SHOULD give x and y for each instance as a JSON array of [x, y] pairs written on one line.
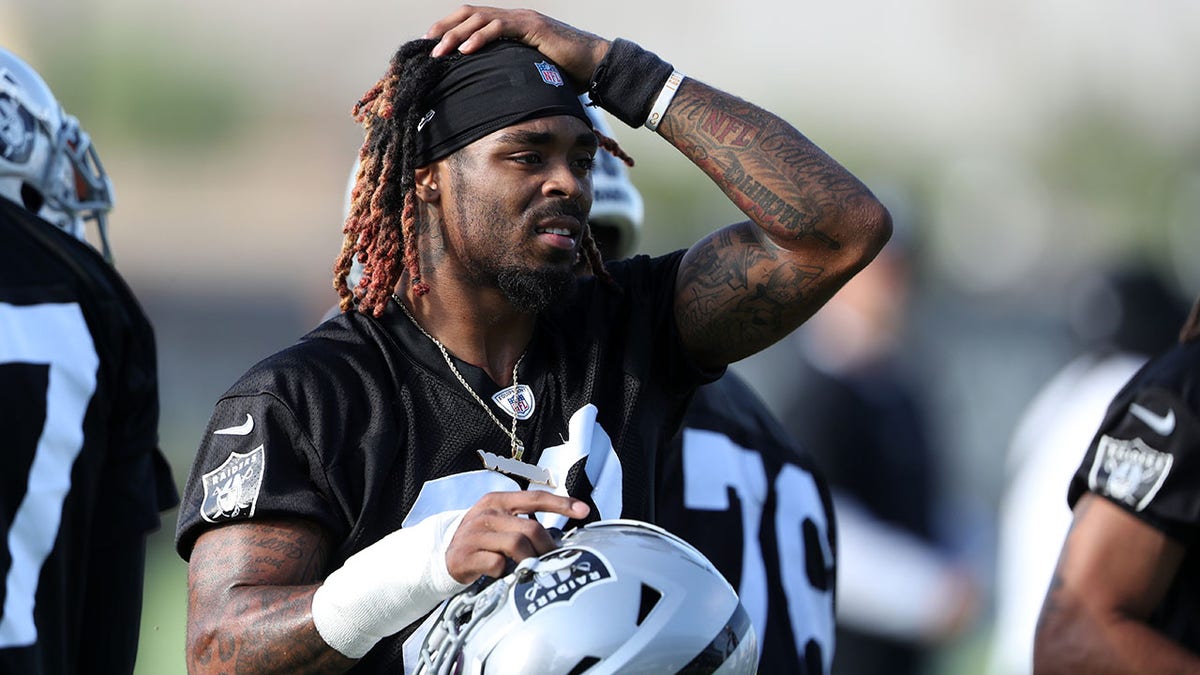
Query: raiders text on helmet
[[619, 596]]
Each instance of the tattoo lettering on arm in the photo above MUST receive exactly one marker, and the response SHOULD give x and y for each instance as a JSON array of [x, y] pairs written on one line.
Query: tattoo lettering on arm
[[250, 597], [760, 162], [770, 207], [812, 226]]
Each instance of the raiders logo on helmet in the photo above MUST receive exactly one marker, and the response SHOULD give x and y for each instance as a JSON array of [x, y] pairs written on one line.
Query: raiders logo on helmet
[[619, 596]]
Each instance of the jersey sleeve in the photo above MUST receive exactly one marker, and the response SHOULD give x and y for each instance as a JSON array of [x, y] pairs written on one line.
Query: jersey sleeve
[[1146, 458], [253, 462], [136, 474], [649, 286]]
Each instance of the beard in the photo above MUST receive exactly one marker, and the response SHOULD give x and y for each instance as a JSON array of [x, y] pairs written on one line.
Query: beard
[[536, 291], [489, 263]]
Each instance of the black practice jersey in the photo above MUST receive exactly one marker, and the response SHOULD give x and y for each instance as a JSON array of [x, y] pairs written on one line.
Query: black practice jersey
[[740, 489], [1146, 459], [867, 430], [82, 480], [362, 427]]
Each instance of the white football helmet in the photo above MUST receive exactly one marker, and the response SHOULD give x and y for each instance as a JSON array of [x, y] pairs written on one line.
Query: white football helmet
[[47, 163], [619, 596], [616, 202]]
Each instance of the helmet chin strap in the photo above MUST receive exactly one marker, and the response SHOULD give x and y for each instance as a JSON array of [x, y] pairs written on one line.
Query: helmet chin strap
[[462, 614]]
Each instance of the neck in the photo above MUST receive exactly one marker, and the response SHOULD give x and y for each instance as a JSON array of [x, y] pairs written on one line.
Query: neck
[[481, 328]]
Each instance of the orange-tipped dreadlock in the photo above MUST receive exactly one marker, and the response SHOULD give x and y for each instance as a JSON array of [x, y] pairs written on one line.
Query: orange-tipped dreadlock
[[591, 252], [381, 228], [613, 149], [383, 213]]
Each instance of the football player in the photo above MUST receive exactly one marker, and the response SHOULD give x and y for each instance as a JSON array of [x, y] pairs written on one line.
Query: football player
[[395, 453], [1125, 595], [734, 484], [82, 480], [1121, 318]]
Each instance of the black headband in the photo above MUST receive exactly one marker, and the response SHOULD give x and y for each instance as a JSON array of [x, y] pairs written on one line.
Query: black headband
[[502, 84]]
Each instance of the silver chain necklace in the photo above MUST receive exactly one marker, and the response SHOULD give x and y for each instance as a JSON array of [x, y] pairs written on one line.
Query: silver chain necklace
[[518, 448]]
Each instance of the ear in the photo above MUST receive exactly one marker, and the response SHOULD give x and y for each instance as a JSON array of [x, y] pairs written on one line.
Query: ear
[[427, 183]]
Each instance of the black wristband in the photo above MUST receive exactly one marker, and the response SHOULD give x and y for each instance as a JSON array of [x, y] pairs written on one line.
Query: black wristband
[[627, 81]]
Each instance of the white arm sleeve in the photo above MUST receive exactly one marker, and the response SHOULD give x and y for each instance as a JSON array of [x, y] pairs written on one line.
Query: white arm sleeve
[[386, 586], [889, 581]]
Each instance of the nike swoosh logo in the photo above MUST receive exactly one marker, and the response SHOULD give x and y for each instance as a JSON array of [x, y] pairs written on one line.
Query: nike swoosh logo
[[1162, 425], [240, 430]]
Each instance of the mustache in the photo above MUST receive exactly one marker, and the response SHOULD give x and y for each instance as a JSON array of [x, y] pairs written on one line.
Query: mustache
[[560, 209]]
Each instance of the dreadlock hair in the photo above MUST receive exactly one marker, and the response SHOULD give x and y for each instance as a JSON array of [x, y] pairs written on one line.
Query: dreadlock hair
[[382, 221], [382, 217], [591, 252]]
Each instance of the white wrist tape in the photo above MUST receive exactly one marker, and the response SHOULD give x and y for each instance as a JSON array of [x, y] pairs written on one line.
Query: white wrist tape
[[664, 100], [386, 586]]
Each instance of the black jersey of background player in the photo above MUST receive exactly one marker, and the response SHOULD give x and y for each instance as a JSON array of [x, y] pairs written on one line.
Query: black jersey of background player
[[87, 443], [1146, 459], [737, 487], [362, 427]]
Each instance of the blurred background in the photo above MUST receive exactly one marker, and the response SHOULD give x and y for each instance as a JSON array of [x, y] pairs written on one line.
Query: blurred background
[[1025, 146]]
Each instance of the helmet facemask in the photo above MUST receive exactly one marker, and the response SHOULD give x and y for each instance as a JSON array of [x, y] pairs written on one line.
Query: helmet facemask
[[47, 162]]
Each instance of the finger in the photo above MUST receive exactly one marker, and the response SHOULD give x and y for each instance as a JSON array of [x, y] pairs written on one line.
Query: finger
[[484, 520], [534, 501], [517, 544], [468, 554], [492, 31], [513, 535], [452, 38], [473, 29], [576, 510], [439, 27], [486, 543], [469, 566]]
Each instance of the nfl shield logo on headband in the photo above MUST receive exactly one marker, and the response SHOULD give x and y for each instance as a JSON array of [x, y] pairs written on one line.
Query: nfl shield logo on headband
[[550, 74]]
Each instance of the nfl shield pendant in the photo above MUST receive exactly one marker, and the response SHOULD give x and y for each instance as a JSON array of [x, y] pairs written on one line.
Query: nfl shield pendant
[[516, 401]]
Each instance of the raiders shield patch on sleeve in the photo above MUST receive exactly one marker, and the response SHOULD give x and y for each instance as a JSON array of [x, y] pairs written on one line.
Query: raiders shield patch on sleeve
[[1130, 472], [231, 490]]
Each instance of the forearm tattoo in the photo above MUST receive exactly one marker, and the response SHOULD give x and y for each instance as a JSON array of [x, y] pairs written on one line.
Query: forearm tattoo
[[250, 598], [789, 186], [742, 288]]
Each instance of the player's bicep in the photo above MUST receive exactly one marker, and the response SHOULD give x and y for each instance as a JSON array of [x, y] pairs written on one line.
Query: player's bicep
[[250, 594], [737, 293], [1096, 569], [290, 552]]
